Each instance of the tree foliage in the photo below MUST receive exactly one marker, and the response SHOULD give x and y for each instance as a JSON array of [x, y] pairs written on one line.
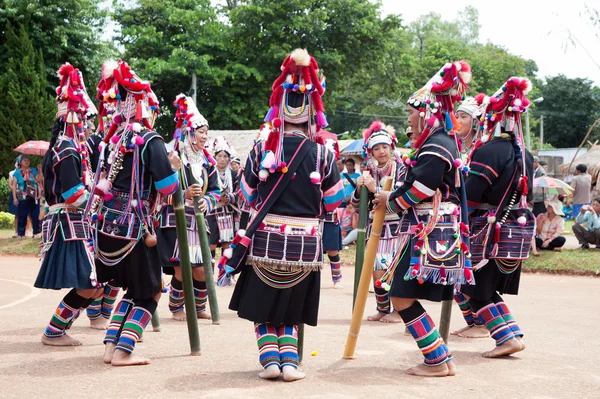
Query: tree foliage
[[570, 107], [26, 109]]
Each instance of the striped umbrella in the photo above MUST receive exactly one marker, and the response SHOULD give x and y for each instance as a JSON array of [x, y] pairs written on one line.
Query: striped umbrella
[[550, 185]]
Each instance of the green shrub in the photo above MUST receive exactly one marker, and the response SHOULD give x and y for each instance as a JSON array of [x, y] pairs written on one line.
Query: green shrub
[[6, 220], [4, 192]]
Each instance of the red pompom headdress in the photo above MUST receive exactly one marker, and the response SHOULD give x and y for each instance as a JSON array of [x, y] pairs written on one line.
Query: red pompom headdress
[[435, 101]]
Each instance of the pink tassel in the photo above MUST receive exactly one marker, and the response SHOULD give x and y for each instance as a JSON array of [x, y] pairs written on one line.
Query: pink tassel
[[282, 228]]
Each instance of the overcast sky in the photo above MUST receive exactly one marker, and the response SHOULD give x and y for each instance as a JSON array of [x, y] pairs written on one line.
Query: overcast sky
[[542, 34]]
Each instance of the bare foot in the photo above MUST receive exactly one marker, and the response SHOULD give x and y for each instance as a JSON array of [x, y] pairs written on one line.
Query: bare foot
[[122, 358], [391, 318], [429, 371], [451, 368], [337, 285], [508, 348], [558, 249], [462, 330], [535, 253], [376, 317], [179, 316], [273, 371], [99, 324], [475, 332], [109, 350], [522, 342], [292, 374], [63, 340], [203, 315]]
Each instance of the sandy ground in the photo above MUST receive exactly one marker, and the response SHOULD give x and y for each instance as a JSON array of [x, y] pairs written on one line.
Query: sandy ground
[[558, 314]]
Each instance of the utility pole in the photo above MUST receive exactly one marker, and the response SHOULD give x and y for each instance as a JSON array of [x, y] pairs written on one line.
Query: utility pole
[[541, 132]]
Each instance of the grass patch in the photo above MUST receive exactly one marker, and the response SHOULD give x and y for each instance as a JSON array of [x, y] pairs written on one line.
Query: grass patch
[[575, 261], [19, 246]]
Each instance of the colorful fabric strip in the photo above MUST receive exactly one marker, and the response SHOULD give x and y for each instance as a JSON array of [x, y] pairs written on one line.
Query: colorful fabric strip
[[333, 197], [249, 193], [268, 347], [428, 339], [288, 345], [509, 319], [417, 193], [336, 270], [60, 320], [168, 185], [116, 322], [108, 300], [74, 193], [494, 322], [467, 312], [383, 300], [176, 300], [137, 320], [94, 309], [200, 295]]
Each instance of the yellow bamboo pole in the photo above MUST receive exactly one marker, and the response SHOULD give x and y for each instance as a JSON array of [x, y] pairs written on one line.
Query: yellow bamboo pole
[[365, 277]]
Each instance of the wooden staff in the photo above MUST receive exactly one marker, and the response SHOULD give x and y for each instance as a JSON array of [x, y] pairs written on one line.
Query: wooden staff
[[445, 319], [363, 215], [186, 271], [365, 277], [206, 258], [300, 342]]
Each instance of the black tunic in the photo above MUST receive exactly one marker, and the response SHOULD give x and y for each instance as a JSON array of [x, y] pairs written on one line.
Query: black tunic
[[434, 169], [492, 168], [140, 271], [252, 298]]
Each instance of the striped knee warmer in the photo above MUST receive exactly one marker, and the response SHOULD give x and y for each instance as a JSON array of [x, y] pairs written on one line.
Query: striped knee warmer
[[509, 319], [336, 268], [200, 295], [118, 318], [108, 300], [94, 310], [268, 347], [428, 339], [287, 338], [137, 320], [176, 300], [67, 309], [495, 323], [383, 300]]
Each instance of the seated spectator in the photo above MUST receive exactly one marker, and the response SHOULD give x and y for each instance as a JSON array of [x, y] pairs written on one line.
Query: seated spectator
[[590, 217], [567, 209], [349, 221], [550, 226]]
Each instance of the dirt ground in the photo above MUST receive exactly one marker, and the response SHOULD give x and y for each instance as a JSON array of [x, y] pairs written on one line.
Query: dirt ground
[[559, 315]]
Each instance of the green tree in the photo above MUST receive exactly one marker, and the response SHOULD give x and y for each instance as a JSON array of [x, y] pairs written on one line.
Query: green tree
[[26, 110], [64, 30], [570, 107]]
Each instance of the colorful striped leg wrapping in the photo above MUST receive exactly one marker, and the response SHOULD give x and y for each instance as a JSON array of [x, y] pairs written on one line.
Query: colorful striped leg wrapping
[[200, 295], [62, 318], [268, 347], [428, 339], [94, 310], [336, 268], [108, 300], [288, 345], [383, 300], [118, 318], [509, 319], [494, 322], [465, 308], [176, 299], [133, 328]]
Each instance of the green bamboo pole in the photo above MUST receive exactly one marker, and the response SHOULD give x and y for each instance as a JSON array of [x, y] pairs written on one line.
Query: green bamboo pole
[[363, 215], [155, 321], [445, 319], [206, 258], [186, 272], [301, 341]]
